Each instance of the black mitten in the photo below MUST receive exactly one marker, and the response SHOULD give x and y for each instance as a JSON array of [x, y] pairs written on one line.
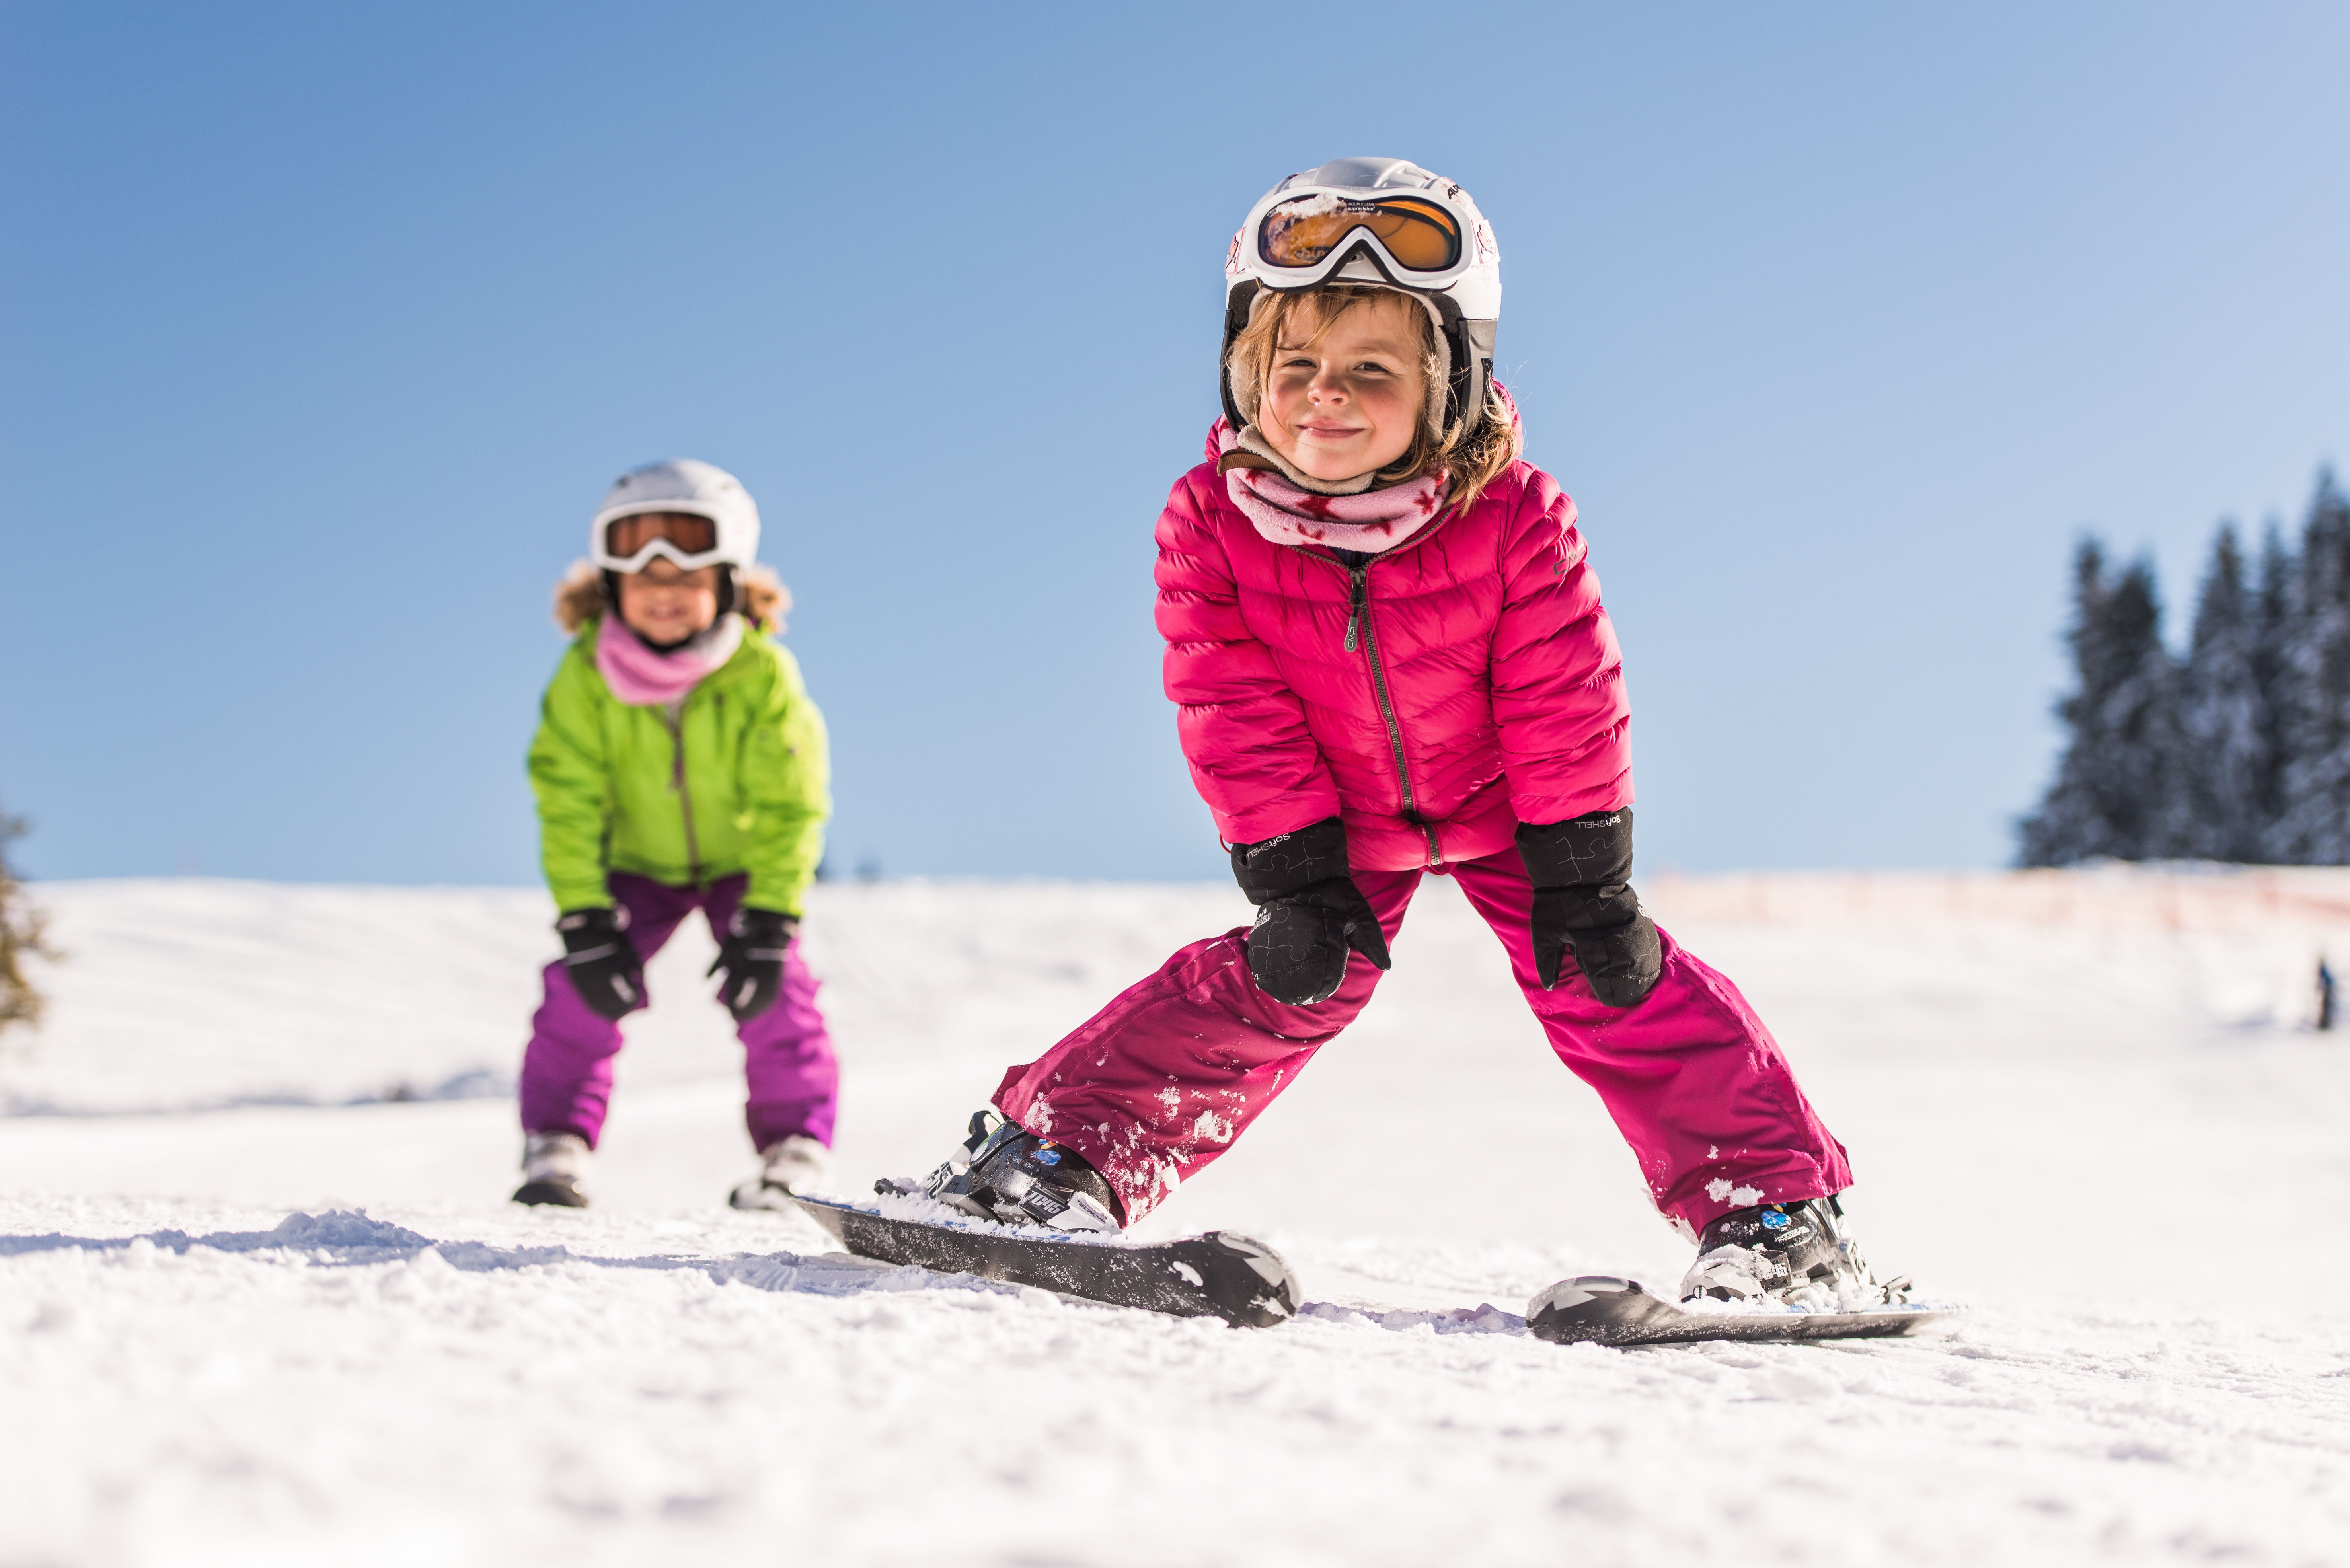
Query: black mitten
[[601, 961], [1585, 903], [753, 957], [1309, 913]]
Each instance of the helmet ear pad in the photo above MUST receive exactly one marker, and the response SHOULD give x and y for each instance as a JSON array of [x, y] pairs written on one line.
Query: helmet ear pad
[[1470, 344], [1239, 305]]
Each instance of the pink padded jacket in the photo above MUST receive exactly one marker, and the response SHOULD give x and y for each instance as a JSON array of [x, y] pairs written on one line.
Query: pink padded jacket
[[1457, 685]]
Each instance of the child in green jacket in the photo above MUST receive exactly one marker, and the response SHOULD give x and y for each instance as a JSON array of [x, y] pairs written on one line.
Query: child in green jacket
[[679, 766]]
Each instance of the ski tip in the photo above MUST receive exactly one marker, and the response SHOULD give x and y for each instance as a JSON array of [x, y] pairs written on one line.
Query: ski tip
[[1582, 1288], [558, 1194], [1248, 1284], [1588, 1307]]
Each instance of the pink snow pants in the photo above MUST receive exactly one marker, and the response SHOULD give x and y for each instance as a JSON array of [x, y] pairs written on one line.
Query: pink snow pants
[[1160, 1082], [567, 1072]]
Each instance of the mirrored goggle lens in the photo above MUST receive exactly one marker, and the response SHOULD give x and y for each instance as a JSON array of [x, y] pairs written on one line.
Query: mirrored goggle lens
[[691, 533], [1421, 236]]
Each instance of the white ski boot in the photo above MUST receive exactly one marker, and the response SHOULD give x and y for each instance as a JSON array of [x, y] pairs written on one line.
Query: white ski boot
[[554, 1170], [1786, 1254], [797, 1164]]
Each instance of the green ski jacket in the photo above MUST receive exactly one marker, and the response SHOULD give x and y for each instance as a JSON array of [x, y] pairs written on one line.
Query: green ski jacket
[[737, 780]]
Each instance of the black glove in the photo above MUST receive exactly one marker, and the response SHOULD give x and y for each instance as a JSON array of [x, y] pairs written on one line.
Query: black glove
[[602, 963], [1308, 913], [753, 957], [1582, 902]]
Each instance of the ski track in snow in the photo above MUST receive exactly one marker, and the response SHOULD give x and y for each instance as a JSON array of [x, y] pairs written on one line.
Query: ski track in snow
[[2115, 1144]]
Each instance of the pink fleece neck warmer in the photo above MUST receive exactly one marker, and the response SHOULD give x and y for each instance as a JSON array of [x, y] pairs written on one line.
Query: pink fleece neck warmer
[[1370, 521], [644, 678]]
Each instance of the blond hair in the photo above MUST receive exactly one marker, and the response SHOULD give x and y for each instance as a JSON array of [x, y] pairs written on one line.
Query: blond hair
[[1474, 453], [760, 597]]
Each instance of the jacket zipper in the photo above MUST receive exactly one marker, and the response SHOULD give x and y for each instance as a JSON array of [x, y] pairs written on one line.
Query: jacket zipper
[[1360, 616], [675, 719]]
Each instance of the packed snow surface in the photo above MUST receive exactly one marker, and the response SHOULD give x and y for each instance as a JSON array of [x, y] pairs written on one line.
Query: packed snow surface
[[262, 1300]]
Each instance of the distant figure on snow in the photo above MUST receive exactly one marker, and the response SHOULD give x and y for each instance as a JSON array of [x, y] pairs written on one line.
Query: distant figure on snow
[[1389, 661], [680, 765]]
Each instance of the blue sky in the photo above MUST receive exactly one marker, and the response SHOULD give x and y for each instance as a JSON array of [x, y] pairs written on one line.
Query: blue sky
[[323, 327]]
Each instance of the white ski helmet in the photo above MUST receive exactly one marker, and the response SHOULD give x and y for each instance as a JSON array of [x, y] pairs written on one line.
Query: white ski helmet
[[1379, 221], [682, 486]]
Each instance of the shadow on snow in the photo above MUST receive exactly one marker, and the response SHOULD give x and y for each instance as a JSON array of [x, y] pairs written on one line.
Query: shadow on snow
[[350, 1239]]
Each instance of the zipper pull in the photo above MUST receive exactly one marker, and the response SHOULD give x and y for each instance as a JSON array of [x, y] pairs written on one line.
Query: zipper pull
[[1355, 610]]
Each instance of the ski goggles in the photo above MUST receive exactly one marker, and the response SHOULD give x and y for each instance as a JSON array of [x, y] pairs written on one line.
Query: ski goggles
[[1305, 230], [628, 542]]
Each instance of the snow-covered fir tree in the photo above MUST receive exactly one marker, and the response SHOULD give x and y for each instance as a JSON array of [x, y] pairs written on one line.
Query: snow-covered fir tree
[[2312, 823], [2226, 771], [2114, 789], [2279, 582]]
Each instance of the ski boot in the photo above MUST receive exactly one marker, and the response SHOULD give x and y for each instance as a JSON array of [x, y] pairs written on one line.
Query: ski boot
[[1790, 1254], [795, 1164], [1004, 1173], [554, 1170]]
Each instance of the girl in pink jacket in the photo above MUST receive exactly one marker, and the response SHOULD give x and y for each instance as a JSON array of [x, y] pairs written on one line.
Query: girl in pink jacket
[[1389, 658]]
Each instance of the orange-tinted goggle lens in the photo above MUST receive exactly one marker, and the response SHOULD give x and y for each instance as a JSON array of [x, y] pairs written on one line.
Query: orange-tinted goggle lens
[[691, 532], [1299, 232]]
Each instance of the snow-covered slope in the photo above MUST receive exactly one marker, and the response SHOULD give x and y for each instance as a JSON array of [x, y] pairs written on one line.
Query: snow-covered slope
[[2089, 1104]]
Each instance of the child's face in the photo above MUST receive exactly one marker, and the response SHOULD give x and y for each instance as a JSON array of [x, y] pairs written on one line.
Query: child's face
[[662, 604], [1351, 399]]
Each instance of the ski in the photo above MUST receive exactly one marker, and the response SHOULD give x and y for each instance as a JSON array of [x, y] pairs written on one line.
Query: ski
[[1217, 1274], [1601, 1309]]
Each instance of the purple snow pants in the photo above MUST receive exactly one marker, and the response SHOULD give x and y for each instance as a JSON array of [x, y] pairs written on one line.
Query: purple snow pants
[[1162, 1080], [566, 1072]]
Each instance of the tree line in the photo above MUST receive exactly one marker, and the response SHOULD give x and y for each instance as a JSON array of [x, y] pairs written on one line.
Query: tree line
[[2237, 749]]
